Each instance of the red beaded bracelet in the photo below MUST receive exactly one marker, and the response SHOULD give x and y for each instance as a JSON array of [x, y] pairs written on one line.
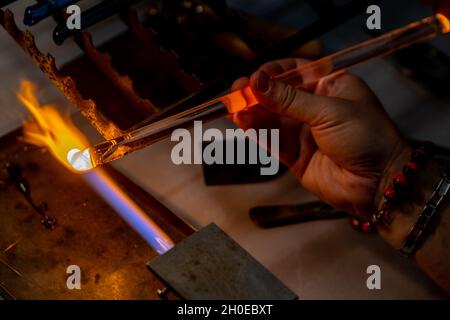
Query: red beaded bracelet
[[396, 192]]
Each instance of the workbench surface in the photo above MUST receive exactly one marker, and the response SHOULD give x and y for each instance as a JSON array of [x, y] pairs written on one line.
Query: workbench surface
[[324, 259]]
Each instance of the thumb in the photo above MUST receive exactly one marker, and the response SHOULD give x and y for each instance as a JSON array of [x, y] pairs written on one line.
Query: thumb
[[283, 99]]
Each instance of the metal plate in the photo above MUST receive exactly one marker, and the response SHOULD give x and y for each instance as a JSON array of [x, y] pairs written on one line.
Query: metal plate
[[209, 265]]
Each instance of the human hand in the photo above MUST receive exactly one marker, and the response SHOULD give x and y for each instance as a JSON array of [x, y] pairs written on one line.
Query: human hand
[[335, 137]]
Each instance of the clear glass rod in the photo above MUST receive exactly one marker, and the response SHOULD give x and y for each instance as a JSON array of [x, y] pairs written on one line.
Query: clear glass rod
[[238, 100]]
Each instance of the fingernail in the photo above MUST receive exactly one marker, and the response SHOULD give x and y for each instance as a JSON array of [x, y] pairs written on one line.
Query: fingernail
[[263, 82]]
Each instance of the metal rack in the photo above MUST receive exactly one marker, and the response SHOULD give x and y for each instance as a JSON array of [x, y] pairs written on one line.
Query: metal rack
[[108, 85]]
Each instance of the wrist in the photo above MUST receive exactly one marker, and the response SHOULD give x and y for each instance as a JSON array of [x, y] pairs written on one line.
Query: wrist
[[404, 213], [400, 155]]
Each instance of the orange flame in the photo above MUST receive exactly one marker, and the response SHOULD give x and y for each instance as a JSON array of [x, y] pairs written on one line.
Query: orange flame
[[50, 129], [58, 133]]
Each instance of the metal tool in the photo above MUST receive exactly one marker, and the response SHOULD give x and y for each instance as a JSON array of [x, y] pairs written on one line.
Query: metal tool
[[44, 9], [277, 216], [23, 186]]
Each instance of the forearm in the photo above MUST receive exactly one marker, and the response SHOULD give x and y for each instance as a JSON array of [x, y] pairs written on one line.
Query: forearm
[[433, 253]]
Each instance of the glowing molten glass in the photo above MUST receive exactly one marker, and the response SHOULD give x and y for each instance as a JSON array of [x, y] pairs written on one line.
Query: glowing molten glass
[[444, 21], [58, 133]]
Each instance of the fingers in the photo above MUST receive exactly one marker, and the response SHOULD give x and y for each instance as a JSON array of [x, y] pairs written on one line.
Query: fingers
[[346, 86], [313, 109], [239, 83], [259, 118], [276, 67], [283, 99], [308, 146], [272, 68], [255, 117]]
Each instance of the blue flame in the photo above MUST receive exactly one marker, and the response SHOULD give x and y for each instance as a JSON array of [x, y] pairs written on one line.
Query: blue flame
[[128, 210]]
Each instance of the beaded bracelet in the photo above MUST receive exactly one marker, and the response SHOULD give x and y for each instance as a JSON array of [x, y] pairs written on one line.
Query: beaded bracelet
[[401, 185], [397, 190]]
